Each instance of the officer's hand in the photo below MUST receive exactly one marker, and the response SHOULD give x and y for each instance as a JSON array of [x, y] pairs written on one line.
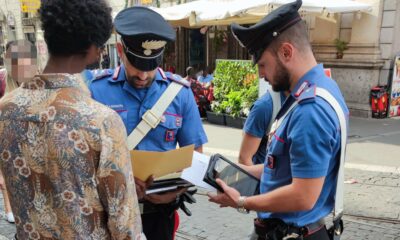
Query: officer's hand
[[141, 186], [165, 197], [229, 198]]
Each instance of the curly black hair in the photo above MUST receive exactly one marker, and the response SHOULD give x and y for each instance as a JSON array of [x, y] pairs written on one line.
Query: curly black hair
[[72, 26]]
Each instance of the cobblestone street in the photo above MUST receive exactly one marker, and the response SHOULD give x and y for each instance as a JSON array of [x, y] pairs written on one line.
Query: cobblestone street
[[372, 211], [372, 208]]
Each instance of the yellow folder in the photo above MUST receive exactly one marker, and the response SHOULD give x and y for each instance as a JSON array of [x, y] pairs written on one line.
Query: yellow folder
[[147, 163]]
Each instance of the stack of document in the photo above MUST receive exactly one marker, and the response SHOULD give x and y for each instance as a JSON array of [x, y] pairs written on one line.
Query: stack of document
[[165, 167], [191, 167]]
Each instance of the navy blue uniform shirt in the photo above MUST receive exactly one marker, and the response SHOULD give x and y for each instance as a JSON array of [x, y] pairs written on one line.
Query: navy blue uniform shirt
[[306, 145], [180, 123], [257, 123]]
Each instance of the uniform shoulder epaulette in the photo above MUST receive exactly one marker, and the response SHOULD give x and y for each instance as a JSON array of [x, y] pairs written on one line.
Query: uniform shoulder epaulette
[[306, 93], [178, 79], [101, 73]]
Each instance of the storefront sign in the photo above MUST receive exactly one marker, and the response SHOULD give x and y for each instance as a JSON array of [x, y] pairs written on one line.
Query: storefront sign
[[394, 108], [146, 2], [29, 6]]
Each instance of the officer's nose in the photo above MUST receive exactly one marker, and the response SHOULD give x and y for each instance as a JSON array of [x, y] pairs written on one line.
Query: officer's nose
[[142, 75]]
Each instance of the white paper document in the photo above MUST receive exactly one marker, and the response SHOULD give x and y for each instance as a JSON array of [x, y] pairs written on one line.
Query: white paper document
[[195, 173]]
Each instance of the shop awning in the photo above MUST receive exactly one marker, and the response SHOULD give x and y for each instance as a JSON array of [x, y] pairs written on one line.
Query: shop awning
[[224, 12]]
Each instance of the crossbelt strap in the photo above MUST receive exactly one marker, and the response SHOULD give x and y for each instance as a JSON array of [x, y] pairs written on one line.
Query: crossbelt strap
[[338, 211], [324, 94], [152, 117], [276, 105]]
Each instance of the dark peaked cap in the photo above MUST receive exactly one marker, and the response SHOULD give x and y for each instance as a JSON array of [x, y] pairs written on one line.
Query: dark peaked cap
[[258, 37], [144, 34]]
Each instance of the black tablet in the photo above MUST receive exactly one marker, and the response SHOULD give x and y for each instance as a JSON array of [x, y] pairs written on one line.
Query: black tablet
[[233, 175]]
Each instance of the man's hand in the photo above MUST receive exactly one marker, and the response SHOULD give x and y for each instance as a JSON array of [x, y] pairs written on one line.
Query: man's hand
[[141, 186], [229, 198], [165, 197]]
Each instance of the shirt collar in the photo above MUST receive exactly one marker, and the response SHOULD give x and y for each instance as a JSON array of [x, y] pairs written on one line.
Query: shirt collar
[[307, 79], [53, 81], [160, 76]]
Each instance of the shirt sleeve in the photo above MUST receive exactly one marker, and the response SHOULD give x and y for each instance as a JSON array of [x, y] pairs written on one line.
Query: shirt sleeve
[[192, 131], [116, 183], [259, 117], [313, 137]]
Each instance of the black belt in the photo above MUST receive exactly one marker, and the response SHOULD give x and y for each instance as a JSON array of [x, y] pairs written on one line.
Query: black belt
[[277, 229]]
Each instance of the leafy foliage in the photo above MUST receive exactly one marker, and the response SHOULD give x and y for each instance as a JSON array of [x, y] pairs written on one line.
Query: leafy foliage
[[235, 87], [340, 45]]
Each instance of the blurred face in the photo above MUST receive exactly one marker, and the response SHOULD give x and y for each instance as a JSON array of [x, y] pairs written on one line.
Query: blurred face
[[21, 64], [273, 71], [135, 77]]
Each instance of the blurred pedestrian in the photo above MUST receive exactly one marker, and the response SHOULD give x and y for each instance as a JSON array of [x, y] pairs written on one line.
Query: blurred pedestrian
[[206, 77], [20, 62], [105, 63]]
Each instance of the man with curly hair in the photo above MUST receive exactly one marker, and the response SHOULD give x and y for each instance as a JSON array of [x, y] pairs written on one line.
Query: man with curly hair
[[68, 167], [133, 90]]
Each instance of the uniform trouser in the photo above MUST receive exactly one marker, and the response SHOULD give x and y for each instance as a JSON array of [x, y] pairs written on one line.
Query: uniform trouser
[[158, 225], [321, 234]]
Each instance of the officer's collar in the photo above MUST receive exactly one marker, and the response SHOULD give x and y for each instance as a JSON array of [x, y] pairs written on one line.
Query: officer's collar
[[160, 75], [121, 75], [306, 80]]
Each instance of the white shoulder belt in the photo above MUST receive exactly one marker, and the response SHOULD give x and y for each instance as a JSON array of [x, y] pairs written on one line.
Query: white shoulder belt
[[152, 117], [338, 210]]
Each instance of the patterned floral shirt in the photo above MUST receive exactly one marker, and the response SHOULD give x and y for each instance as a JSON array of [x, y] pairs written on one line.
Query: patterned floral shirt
[[66, 163]]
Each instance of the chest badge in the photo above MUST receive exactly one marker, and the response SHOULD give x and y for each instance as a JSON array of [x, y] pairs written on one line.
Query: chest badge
[[169, 136], [271, 162]]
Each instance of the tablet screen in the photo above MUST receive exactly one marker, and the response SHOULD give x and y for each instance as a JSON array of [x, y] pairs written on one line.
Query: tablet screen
[[235, 177]]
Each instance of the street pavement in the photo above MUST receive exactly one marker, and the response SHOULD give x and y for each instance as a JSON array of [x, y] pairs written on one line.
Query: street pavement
[[372, 187]]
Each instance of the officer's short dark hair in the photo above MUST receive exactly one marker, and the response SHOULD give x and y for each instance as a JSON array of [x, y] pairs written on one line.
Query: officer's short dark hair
[[71, 27], [189, 71], [296, 35]]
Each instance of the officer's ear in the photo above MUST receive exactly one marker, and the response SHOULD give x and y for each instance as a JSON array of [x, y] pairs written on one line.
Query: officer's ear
[[285, 52], [120, 49]]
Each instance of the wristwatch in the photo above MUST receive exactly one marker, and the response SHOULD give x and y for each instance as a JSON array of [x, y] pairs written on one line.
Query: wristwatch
[[240, 205]]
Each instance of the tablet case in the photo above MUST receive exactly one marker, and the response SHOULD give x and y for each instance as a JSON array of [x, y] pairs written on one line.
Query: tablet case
[[233, 175]]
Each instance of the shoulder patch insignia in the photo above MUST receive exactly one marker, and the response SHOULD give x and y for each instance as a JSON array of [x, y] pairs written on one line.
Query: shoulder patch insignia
[[301, 89], [308, 94], [99, 74], [116, 73], [178, 79], [162, 73]]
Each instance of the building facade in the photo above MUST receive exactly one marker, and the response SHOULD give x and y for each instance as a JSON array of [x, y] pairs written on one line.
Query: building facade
[[373, 40]]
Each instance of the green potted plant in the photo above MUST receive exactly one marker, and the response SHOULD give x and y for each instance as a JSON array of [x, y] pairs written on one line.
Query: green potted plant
[[341, 46], [235, 90], [216, 115]]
